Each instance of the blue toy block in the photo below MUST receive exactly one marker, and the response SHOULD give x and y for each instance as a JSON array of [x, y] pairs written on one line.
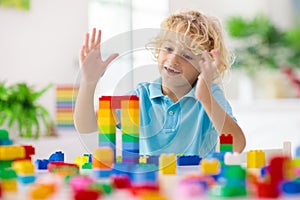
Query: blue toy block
[[264, 171], [217, 155], [144, 173], [102, 173], [291, 187], [26, 179], [130, 146], [41, 164], [6, 142], [57, 156], [123, 168], [153, 160], [188, 160]]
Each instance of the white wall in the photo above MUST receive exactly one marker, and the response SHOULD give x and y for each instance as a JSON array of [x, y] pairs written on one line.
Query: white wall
[[41, 46], [280, 11]]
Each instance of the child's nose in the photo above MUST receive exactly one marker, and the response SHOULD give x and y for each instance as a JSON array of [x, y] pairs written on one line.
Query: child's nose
[[174, 58]]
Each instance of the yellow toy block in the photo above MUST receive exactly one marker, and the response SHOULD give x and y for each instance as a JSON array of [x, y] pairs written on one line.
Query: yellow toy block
[[130, 117], [210, 166], [10, 185], [42, 191], [105, 113], [256, 159], [167, 164], [23, 167], [106, 121], [103, 158], [143, 159], [11, 152], [81, 160]]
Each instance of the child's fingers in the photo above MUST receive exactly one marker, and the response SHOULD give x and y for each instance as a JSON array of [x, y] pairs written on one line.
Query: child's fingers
[[82, 54], [216, 56], [93, 38], [98, 41], [86, 44]]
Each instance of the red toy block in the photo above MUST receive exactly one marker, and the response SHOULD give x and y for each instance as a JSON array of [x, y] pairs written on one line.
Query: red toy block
[[226, 139], [278, 169], [267, 190], [121, 181], [115, 101], [86, 194]]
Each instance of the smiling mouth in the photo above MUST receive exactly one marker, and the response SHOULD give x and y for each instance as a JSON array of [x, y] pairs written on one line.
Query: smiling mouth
[[171, 70]]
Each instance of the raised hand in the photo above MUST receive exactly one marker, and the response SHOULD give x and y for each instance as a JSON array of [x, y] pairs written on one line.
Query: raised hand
[[92, 64]]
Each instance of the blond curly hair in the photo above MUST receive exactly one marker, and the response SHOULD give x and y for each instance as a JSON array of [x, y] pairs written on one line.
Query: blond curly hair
[[197, 32]]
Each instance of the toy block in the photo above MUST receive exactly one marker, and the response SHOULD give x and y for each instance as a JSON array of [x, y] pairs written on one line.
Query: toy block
[[233, 158], [131, 113], [10, 185], [226, 148], [130, 120], [63, 169], [143, 159], [101, 187], [233, 172], [107, 137], [3, 134], [106, 121], [188, 160], [130, 137], [130, 146], [120, 181], [130, 156], [210, 166], [107, 129], [103, 158], [267, 190], [80, 182], [167, 164], [41, 164], [134, 129], [87, 166], [26, 179], [226, 139], [131, 104], [87, 194], [102, 173], [144, 173], [279, 169], [256, 159], [57, 156], [290, 187], [12, 152], [5, 164], [115, 101], [42, 190], [81, 160], [153, 160], [6, 142], [23, 167], [105, 113], [111, 145], [29, 151]]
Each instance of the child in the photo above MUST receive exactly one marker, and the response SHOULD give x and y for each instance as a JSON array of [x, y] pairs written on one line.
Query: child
[[183, 111]]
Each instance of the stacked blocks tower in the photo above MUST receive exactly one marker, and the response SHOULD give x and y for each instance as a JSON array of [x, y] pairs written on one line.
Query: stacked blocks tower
[[130, 121], [226, 142], [65, 96]]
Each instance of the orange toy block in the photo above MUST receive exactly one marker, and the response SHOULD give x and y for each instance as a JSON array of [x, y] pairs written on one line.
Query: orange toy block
[[167, 164], [210, 166], [256, 159], [103, 158]]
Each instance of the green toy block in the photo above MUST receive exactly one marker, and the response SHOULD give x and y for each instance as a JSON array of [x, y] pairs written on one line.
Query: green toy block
[[87, 166], [130, 129], [8, 174], [227, 191], [5, 164], [3, 134], [107, 129], [226, 147], [130, 137], [107, 137]]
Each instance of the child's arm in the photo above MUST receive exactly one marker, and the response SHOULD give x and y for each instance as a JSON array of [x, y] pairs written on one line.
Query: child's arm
[[220, 119], [93, 67]]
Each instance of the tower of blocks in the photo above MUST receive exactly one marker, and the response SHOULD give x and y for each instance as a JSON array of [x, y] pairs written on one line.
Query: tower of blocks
[[226, 142], [130, 121], [65, 96]]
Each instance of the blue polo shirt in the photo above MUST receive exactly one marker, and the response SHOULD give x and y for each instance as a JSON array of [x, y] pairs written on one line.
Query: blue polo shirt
[[182, 127]]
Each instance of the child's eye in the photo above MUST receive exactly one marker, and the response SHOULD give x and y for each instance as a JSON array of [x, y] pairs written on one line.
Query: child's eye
[[187, 57], [168, 48]]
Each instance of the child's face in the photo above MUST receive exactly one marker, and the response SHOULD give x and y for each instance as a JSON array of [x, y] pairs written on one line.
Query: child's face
[[177, 65]]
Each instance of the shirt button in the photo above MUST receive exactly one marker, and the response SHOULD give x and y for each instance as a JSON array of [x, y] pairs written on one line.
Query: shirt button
[[171, 112]]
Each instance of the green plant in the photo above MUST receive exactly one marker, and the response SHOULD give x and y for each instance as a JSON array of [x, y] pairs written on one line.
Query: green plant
[[260, 44], [19, 104]]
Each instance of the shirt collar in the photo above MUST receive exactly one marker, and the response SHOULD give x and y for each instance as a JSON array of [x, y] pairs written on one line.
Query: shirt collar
[[155, 90]]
